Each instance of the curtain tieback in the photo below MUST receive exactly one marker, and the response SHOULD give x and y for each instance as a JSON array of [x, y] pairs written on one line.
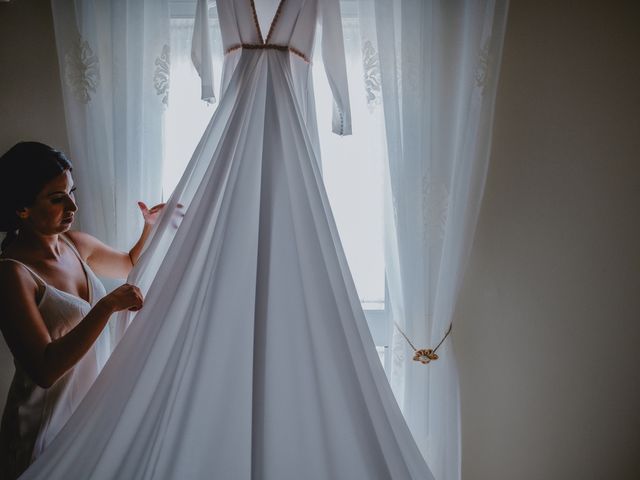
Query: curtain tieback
[[424, 355]]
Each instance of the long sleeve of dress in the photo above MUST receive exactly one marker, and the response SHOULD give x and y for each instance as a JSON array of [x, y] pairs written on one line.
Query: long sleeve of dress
[[333, 56], [201, 54]]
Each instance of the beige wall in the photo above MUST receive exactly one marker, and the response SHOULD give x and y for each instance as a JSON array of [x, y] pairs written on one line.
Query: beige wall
[[547, 322], [30, 95]]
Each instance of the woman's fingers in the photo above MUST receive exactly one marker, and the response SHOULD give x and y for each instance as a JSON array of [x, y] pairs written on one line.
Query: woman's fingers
[[150, 214], [137, 300], [127, 297], [155, 208], [177, 216]]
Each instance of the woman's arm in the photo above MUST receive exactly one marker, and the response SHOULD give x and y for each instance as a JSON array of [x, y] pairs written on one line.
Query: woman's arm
[[111, 263], [43, 359]]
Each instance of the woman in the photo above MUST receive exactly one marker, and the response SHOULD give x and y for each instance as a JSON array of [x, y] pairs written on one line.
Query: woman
[[53, 308]]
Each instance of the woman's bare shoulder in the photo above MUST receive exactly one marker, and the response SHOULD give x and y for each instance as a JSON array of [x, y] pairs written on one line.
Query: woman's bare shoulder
[[84, 243], [12, 269], [14, 278]]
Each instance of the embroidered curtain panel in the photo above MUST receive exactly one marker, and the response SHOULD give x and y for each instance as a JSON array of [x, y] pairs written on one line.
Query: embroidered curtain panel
[[435, 64], [114, 64]]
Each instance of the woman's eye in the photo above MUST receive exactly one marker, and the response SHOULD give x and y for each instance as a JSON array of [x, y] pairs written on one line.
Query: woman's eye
[[71, 194]]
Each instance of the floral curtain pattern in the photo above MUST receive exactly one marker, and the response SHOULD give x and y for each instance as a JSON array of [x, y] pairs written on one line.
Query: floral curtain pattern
[[161, 74], [371, 64], [82, 73]]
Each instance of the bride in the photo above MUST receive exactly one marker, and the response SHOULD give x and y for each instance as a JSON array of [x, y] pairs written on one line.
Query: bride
[[53, 308]]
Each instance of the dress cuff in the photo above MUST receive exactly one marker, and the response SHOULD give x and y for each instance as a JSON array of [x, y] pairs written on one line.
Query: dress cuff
[[341, 122]]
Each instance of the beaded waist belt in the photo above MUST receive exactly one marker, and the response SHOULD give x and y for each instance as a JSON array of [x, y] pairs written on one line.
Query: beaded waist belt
[[268, 46]]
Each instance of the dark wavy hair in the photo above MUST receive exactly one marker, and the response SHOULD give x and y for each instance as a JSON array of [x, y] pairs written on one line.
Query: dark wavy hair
[[24, 171]]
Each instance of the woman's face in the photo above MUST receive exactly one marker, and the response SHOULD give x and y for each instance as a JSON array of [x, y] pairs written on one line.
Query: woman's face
[[54, 207]]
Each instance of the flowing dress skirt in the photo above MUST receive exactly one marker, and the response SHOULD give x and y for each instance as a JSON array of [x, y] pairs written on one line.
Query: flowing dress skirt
[[251, 358]]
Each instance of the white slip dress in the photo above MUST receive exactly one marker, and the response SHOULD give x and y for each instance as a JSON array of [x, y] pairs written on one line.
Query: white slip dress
[[34, 415]]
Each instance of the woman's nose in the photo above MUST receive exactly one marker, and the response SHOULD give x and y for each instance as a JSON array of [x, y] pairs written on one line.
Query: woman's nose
[[71, 205]]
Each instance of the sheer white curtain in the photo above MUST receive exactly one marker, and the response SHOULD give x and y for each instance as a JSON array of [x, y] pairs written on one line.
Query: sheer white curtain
[[114, 61], [437, 62]]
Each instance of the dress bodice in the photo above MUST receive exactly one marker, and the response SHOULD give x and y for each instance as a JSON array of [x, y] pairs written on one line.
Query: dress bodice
[[286, 25], [292, 23]]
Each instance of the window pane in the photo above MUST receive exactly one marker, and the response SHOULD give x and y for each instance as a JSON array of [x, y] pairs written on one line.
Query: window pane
[[353, 170], [187, 116]]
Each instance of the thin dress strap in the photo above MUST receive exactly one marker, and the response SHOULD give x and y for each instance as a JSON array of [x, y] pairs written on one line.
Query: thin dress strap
[[72, 245], [35, 276]]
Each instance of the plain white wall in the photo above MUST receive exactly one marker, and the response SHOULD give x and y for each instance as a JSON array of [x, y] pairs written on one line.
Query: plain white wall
[[547, 324]]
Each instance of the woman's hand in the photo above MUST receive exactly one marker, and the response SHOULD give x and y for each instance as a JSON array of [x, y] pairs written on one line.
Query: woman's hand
[[150, 215], [125, 297]]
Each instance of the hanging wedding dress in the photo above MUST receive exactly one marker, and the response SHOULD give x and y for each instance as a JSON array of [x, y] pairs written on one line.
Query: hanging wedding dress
[[251, 358]]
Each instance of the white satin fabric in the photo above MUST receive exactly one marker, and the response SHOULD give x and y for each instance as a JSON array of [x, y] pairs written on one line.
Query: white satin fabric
[[33, 415], [251, 358]]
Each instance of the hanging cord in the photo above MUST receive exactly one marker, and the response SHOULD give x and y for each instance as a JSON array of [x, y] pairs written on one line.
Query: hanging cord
[[424, 355]]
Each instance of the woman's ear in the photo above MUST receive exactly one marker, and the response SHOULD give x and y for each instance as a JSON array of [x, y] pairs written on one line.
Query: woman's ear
[[23, 213]]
